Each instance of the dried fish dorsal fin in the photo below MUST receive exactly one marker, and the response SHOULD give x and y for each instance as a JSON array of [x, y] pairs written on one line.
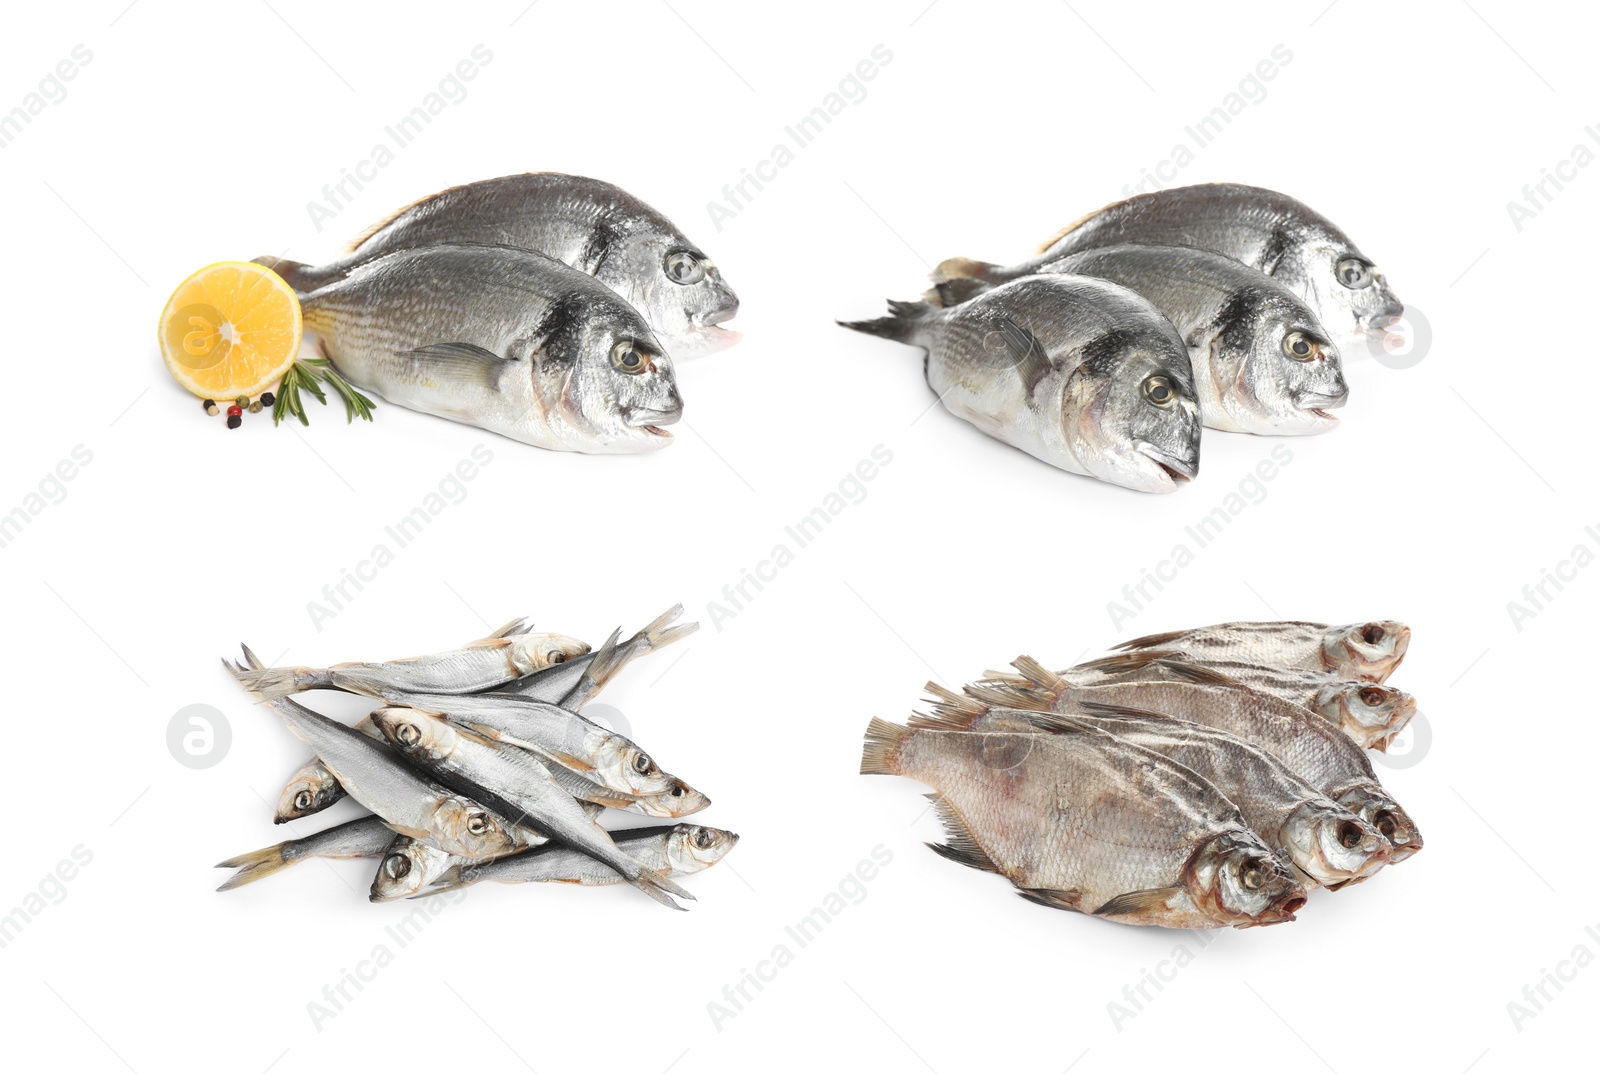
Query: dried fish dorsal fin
[[1102, 708], [1151, 641], [880, 752], [1148, 901], [1121, 662], [519, 625], [1055, 898], [960, 844], [1044, 247], [993, 695], [1195, 673]]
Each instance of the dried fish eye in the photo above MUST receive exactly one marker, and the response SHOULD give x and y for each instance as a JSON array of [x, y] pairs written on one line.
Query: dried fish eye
[[1372, 696], [556, 658], [1354, 273], [677, 790], [1253, 878], [627, 357], [683, 267], [1301, 349], [478, 823], [302, 801], [397, 866], [1386, 825], [1158, 391], [1372, 633], [408, 734], [702, 838], [1349, 835], [642, 763]]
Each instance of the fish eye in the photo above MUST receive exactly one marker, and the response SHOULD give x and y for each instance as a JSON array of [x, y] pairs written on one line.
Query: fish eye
[[408, 734], [1158, 391], [1252, 878], [702, 838], [628, 358], [1300, 347], [303, 800], [684, 268], [1349, 835], [1386, 824], [642, 763], [677, 791], [397, 866], [556, 658], [1354, 273], [1372, 633], [1372, 696], [478, 823]]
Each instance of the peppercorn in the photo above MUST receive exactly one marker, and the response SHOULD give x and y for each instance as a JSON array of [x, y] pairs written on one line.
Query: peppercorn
[[242, 402], [255, 407], [267, 399], [234, 420], [210, 407], [235, 410]]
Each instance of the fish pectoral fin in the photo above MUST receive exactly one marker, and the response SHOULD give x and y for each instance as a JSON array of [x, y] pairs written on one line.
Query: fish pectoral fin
[[1027, 354], [960, 844], [1135, 902], [1100, 708], [465, 364], [1056, 899]]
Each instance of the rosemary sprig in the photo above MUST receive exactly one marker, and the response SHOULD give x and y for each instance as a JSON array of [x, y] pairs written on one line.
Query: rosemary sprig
[[305, 373]]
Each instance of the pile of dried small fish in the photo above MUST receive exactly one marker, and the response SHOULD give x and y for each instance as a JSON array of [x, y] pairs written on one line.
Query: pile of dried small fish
[[477, 764], [1104, 355], [1196, 779], [542, 307]]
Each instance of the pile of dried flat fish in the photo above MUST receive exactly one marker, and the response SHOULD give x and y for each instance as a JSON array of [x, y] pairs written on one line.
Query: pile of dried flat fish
[[1195, 779], [478, 764], [543, 307], [1214, 305]]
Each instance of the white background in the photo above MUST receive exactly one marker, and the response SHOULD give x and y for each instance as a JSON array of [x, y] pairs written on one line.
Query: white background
[[199, 133]]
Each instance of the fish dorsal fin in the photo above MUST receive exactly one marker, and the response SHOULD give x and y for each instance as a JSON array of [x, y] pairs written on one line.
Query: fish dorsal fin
[[960, 844], [463, 364], [951, 711], [1026, 353], [1138, 902], [1125, 661], [1044, 247], [1195, 673], [362, 239], [1055, 898], [1128, 712], [1151, 641]]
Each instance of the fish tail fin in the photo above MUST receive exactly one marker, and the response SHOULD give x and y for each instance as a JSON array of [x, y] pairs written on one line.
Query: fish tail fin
[[269, 684], [880, 753], [302, 277], [947, 293], [1039, 675], [255, 865], [951, 711], [901, 325], [964, 268], [659, 888], [660, 633]]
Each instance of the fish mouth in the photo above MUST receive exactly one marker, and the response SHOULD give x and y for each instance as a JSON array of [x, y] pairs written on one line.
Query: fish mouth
[[1174, 468], [1319, 404], [650, 421]]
